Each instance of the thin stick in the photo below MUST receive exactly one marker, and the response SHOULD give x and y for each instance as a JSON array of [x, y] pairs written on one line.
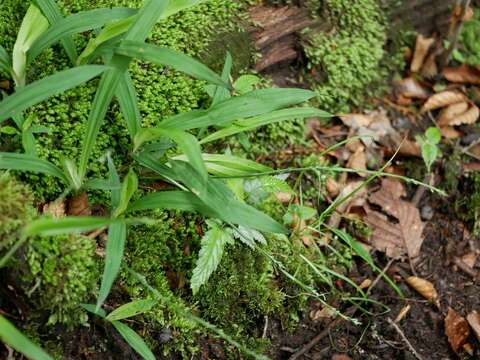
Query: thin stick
[[404, 338]]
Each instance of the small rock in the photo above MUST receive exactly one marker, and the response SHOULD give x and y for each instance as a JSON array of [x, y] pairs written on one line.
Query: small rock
[[165, 336], [427, 213]]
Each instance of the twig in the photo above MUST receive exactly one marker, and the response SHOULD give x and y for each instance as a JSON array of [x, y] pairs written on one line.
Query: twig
[[404, 338], [265, 328], [379, 276]]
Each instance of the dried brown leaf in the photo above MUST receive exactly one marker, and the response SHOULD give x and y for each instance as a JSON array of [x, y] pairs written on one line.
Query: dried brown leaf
[[456, 329], [449, 132], [341, 357], [474, 321], [356, 121], [79, 206], [464, 74], [55, 209], [424, 288], [468, 117], [451, 112], [430, 68], [470, 259], [443, 99], [422, 46], [358, 161], [333, 187], [411, 89], [284, 197]]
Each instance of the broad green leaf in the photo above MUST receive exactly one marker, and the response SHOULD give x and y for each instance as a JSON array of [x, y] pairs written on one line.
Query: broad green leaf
[[52, 12], [246, 83], [8, 130], [167, 57], [5, 62], [67, 225], [117, 235], [221, 93], [77, 23], [270, 118], [33, 25], [211, 251], [172, 200], [134, 340], [131, 309], [23, 162], [254, 103], [129, 186], [433, 135], [127, 98], [187, 143], [11, 336], [429, 154], [41, 90], [28, 143], [249, 236]]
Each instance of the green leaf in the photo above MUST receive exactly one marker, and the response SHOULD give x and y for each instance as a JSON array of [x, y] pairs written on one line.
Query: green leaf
[[72, 174], [8, 130], [252, 123], [42, 89], [246, 83], [23, 162], [129, 186], [249, 236], [77, 23], [221, 93], [131, 309], [92, 309], [5, 62], [114, 180], [28, 142], [134, 340], [168, 57], [10, 335], [127, 98], [211, 251], [67, 225], [117, 235], [52, 12], [433, 135], [254, 103], [33, 25], [429, 154]]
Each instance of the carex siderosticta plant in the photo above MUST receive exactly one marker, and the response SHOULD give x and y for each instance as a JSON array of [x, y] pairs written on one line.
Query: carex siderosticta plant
[[170, 150]]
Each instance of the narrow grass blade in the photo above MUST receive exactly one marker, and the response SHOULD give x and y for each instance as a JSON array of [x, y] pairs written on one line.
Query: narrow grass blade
[[171, 58], [67, 225], [52, 12], [134, 340], [115, 180], [129, 186], [127, 98], [5, 62], [23, 162], [92, 309], [117, 235], [33, 25], [11, 336], [131, 309], [220, 92], [255, 103], [77, 23], [43, 89], [254, 122]]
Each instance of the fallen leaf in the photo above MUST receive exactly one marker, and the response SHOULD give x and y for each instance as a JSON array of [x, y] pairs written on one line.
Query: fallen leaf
[[365, 284], [474, 321], [284, 197], [396, 239], [468, 117], [356, 121], [430, 68], [358, 161], [464, 74], [55, 209], [403, 312], [79, 206], [468, 14], [422, 46], [470, 259], [324, 313], [450, 112], [443, 99], [449, 132], [424, 288], [456, 329], [333, 187], [410, 88], [341, 357]]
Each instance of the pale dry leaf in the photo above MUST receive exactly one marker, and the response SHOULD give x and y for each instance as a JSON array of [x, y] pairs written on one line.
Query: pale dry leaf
[[365, 284], [55, 209], [430, 68], [443, 99], [403, 312], [424, 288], [341, 357], [79, 206], [469, 13], [470, 259], [474, 321], [464, 74], [333, 187], [410, 88], [396, 239], [356, 121], [358, 161], [422, 46], [394, 187], [456, 329], [450, 112], [324, 313], [449, 132], [468, 117], [284, 197]]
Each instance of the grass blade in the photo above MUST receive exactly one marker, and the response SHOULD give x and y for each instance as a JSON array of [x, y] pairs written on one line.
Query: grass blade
[[171, 58], [52, 12], [252, 123], [67, 225], [115, 180], [77, 23], [10, 335], [23, 162], [221, 93], [134, 340], [129, 186], [255, 103], [5, 62], [127, 98], [117, 235], [131, 309], [41, 90]]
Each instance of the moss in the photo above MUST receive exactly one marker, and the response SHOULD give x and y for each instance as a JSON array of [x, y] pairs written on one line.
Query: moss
[[348, 55], [161, 92], [62, 274], [15, 209]]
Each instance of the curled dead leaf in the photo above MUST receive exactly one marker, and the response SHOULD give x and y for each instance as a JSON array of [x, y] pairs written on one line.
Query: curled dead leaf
[[365, 284], [424, 288], [451, 112], [430, 68], [470, 259], [422, 46], [411, 89], [449, 132], [443, 99], [468, 117], [474, 321], [456, 329], [464, 74], [403, 312], [358, 161], [324, 313], [333, 187]]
